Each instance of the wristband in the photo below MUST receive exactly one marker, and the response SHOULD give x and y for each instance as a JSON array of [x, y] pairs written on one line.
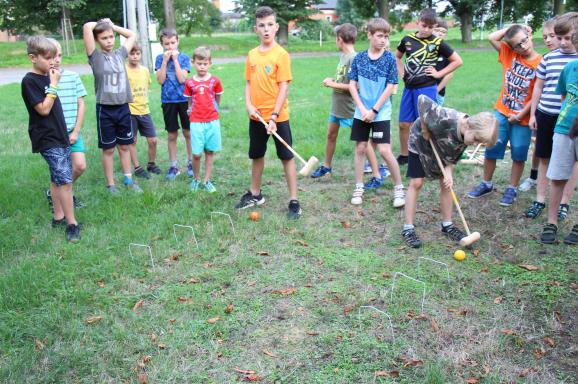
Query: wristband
[[51, 95], [50, 90], [374, 110], [275, 114]]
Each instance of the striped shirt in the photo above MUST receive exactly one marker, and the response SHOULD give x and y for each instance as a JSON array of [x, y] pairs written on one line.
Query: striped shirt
[[70, 88], [549, 72]]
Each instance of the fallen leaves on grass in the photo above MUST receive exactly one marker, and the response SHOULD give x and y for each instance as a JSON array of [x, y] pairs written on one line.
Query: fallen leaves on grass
[[162, 346], [393, 373], [100, 283], [270, 354], [476, 252], [154, 338], [539, 353], [253, 378], [345, 224], [252, 283], [312, 333], [213, 320], [229, 308], [142, 378], [558, 316], [459, 311], [137, 305], [175, 256], [434, 325], [472, 380], [286, 291], [485, 270], [244, 371], [528, 267], [93, 319], [347, 309], [39, 345], [301, 243], [549, 341], [498, 300], [263, 253], [508, 331], [526, 371], [193, 280], [182, 299]]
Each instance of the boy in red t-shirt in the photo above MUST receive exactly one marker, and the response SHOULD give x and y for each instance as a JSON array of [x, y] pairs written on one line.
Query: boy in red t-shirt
[[204, 92]]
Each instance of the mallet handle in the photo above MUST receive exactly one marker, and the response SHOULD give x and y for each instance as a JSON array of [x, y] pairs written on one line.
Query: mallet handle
[[283, 142]]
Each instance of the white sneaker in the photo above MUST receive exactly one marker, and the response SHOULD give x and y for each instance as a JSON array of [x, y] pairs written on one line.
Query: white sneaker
[[357, 198], [527, 185], [398, 198]]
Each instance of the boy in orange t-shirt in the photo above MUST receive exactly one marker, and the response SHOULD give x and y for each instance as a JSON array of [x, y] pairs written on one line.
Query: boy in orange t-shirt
[[268, 73], [520, 62]]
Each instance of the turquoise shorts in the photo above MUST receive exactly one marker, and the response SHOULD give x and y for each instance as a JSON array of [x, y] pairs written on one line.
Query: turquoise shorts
[[341, 121], [78, 146], [205, 137]]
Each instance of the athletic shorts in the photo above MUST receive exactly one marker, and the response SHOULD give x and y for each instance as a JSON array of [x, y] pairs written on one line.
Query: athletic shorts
[[343, 122], [113, 125], [144, 125], [59, 164], [78, 146], [380, 131], [546, 123], [414, 167], [172, 113], [408, 111], [518, 135], [440, 100], [205, 136], [258, 138], [564, 155]]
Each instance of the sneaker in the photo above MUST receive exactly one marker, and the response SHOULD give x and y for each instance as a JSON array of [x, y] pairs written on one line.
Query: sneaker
[[509, 197], [321, 171], [549, 233], [49, 197], [130, 184], [410, 238], [367, 167], [527, 185], [453, 232], [249, 200], [190, 172], [402, 160], [572, 238], [535, 210], [481, 190], [153, 168], [384, 171], [172, 173], [209, 187], [112, 189], [357, 198], [58, 223], [195, 184], [563, 211], [77, 203], [73, 233], [141, 172], [374, 183], [398, 198], [294, 210]]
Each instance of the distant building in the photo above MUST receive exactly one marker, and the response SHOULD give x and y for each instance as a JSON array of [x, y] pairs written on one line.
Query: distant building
[[6, 37], [327, 10]]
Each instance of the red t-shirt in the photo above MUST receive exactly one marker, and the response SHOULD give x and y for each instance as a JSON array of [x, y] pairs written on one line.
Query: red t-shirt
[[203, 95]]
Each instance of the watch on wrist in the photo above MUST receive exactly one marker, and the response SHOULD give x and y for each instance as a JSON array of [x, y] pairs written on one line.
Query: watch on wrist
[[374, 110]]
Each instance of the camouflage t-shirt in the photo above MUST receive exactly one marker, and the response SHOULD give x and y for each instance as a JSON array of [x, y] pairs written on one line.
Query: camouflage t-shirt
[[443, 125]]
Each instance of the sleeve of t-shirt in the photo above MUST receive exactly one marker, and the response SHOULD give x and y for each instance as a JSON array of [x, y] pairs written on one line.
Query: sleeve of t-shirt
[[445, 49], [80, 90], [123, 52], [188, 89], [401, 45], [158, 62], [391, 70], [185, 62], [32, 92], [561, 87], [541, 71], [352, 74], [424, 105], [248, 68], [218, 87], [505, 54], [284, 68]]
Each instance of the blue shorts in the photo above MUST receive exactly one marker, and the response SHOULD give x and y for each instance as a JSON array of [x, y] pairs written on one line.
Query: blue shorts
[[408, 112], [113, 125], [59, 164], [205, 137], [78, 146], [440, 100], [341, 121], [518, 135]]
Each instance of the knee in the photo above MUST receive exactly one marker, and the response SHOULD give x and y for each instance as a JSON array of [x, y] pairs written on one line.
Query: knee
[[172, 137], [361, 148], [186, 133], [80, 167], [332, 135], [152, 141], [416, 184], [196, 157]]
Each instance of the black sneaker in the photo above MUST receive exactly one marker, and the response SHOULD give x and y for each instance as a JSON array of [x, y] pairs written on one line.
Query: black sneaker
[[73, 233], [402, 160], [141, 172], [535, 210], [249, 200], [77, 203], [572, 237], [410, 238], [153, 168], [58, 223], [294, 210], [549, 233], [453, 232], [563, 211]]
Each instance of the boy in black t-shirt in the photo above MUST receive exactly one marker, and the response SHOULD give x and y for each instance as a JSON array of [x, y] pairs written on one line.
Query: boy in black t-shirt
[[47, 130]]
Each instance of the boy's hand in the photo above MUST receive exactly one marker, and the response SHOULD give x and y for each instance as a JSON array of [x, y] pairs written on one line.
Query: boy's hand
[[367, 115], [73, 137], [175, 55], [328, 82], [533, 124], [431, 71], [449, 181], [252, 111], [54, 75], [271, 127], [514, 119], [167, 55]]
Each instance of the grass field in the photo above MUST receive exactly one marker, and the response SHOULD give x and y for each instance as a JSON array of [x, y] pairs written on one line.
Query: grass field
[[296, 292]]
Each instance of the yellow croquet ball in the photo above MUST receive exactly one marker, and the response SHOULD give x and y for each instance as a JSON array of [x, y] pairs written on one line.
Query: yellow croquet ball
[[459, 255]]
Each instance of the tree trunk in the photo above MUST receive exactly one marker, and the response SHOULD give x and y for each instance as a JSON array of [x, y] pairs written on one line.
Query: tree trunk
[[170, 21], [383, 8], [466, 21], [283, 34], [559, 6]]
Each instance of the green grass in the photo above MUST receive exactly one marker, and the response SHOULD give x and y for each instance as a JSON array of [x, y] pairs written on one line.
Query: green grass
[[319, 334]]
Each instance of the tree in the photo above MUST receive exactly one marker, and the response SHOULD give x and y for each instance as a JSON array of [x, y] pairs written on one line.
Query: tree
[[465, 11], [286, 12]]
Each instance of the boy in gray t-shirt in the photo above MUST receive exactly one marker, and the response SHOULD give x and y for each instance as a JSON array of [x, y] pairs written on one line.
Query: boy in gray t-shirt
[[112, 96]]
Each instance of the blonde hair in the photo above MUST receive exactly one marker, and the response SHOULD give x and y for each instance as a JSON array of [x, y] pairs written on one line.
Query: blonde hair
[[378, 25], [40, 45], [55, 42], [484, 127], [202, 53]]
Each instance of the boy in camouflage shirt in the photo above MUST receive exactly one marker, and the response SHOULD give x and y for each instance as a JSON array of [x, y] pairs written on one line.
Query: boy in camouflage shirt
[[451, 132]]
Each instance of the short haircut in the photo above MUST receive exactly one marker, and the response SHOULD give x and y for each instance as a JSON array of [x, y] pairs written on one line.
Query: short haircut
[[202, 53], [428, 16], [56, 43], [484, 127], [136, 47], [264, 11], [40, 45], [378, 25], [441, 23], [575, 38], [550, 22], [347, 32], [566, 23], [168, 33], [513, 31], [100, 27]]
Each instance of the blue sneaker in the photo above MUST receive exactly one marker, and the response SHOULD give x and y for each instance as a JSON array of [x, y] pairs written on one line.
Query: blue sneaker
[[374, 183], [509, 197], [479, 191], [195, 184], [367, 167], [321, 171], [172, 173], [384, 171], [209, 187], [190, 172]]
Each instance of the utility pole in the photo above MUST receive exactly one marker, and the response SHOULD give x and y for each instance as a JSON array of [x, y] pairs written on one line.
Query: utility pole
[[143, 35], [170, 20]]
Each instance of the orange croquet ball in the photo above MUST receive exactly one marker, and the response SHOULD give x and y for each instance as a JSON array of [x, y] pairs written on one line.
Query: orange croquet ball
[[255, 216]]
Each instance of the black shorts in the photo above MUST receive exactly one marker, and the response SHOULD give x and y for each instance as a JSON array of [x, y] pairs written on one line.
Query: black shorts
[[258, 138], [172, 112], [113, 125], [380, 131], [414, 167], [546, 123], [143, 124]]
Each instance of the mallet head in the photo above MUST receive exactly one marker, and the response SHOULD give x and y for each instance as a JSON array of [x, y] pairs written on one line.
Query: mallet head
[[470, 239], [309, 166]]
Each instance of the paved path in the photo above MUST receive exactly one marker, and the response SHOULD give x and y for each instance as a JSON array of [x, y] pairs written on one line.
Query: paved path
[[15, 75]]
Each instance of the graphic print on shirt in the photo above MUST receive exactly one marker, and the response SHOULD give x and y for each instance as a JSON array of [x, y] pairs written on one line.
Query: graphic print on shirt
[[517, 84], [425, 56], [571, 100]]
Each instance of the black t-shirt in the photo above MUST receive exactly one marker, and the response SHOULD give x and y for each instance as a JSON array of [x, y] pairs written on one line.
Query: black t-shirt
[[45, 131], [441, 64], [421, 53]]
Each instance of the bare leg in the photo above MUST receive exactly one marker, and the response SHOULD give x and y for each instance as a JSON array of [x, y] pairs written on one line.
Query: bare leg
[[107, 164], [517, 170], [63, 194], [445, 202], [290, 177], [78, 164], [209, 157], [370, 154], [172, 145], [489, 168], [404, 138], [543, 181], [257, 166], [187, 135], [332, 134], [360, 148], [570, 186], [387, 155], [197, 166], [124, 154], [411, 199], [133, 155], [152, 149], [556, 190], [57, 211]]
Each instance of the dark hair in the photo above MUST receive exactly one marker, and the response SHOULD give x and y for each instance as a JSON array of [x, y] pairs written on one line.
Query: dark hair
[[441, 23], [513, 31], [566, 23], [347, 32], [40, 45], [378, 24], [100, 27], [264, 11], [428, 16], [136, 47], [168, 33]]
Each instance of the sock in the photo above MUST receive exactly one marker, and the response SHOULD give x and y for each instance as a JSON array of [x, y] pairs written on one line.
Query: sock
[[511, 186], [446, 224], [358, 185], [398, 187], [189, 161], [408, 226], [137, 168], [488, 184], [174, 163], [533, 174], [151, 163], [127, 179]]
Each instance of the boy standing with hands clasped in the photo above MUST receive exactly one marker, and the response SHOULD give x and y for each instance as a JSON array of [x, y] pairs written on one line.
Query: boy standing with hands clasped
[[268, 73], [375, 73]]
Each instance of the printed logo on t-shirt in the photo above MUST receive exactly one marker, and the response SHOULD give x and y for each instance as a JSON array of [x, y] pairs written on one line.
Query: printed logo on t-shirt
[[268, 69], [114, 83], [518, 78]]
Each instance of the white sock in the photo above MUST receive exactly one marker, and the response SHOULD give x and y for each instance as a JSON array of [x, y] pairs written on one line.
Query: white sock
[[358, 185], [408, 226], [446, 223]]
